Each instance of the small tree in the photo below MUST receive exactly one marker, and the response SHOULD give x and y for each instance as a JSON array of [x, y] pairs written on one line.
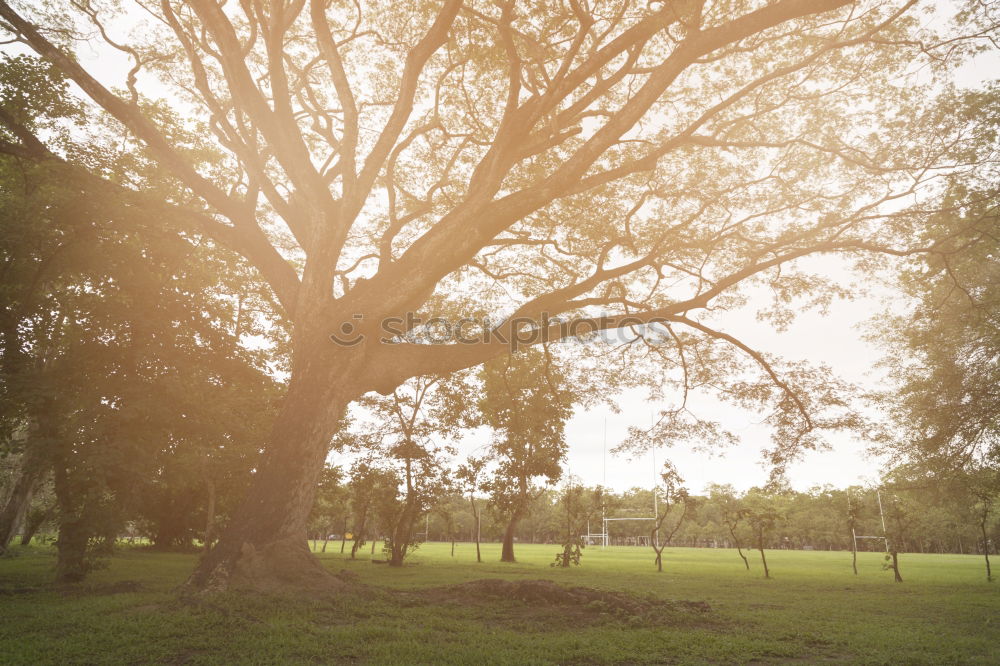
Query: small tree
[[368, 482], [577, 506], [674, 504], [730, 512], [425, 480], [524, 403], [470, 478], [898, 517], [330, 508], [763, 513], [984, 485]]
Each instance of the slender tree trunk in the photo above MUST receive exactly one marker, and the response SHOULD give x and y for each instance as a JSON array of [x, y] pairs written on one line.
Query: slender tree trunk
[[895, 567], [360, 530], [209, 514], [854, 548], [264, 545], [746, 562], [478, 516], [30, 474], [15, 509], [32, 524], [763, 559], [986, 551]]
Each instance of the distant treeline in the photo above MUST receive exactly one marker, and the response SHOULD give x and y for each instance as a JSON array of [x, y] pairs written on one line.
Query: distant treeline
[[817, 519]]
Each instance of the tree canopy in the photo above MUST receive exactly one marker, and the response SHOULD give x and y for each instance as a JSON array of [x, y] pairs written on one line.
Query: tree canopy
[[627, 166]]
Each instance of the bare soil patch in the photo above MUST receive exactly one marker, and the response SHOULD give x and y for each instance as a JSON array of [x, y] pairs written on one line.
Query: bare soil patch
[[540, 605]]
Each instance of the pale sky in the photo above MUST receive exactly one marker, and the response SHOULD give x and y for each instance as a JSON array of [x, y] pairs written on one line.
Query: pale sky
[[834, 339]]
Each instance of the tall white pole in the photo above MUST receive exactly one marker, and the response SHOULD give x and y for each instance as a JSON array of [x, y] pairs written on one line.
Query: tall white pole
[[604, 483], [885, 534], [656, 505]]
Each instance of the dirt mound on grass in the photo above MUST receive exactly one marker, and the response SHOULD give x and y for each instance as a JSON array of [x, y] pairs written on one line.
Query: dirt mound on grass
[[548, 603]]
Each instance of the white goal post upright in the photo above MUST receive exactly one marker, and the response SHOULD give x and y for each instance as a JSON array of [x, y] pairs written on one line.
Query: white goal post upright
[[885, 535], [605, 535]]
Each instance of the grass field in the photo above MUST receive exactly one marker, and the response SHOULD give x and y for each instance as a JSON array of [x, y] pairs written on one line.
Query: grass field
[[813, 610]]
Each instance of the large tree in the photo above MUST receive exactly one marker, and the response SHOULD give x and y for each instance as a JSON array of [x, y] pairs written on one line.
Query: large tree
[[623, 162]]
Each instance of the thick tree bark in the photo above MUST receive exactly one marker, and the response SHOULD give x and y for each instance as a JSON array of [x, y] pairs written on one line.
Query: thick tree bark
[[265, 545], [507, 552], [71, 563]]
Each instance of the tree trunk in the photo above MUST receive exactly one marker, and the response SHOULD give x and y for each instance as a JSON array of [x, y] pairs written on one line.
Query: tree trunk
[[763, 559], [746, 562], [32, 524], [209, 513], [265, 545], [359, 531], [479, 557], [507, 553], [986, 551], [14, 510], [403, 531], [71, 563], [895, 567]]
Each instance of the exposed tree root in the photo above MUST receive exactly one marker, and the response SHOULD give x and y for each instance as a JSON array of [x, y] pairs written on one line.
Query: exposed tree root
[[279, 566]]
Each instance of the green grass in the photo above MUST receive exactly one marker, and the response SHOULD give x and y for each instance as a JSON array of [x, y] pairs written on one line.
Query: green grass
[[814, 609]]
